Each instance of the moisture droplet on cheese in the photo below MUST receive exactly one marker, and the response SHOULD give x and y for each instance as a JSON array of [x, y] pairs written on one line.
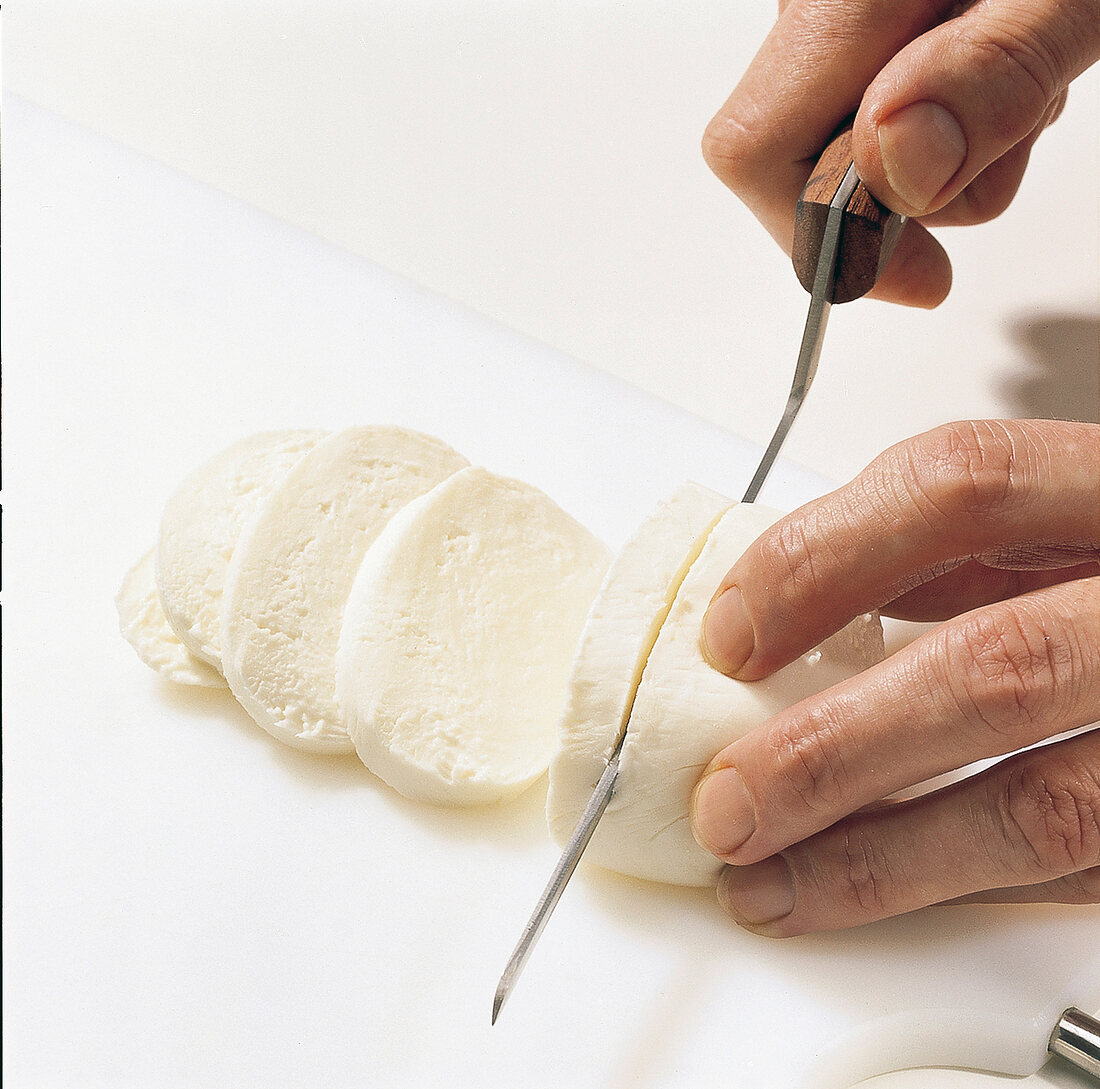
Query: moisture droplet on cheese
[[685, 712], [618, 635], [293, 567], [145, 627], [458, 637], [200, 527]]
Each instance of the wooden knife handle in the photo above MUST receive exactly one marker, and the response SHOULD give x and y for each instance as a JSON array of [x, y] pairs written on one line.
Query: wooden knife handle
[[868, 236]]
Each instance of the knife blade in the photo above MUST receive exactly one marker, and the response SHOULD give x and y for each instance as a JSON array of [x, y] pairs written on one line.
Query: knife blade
[[843, 240]]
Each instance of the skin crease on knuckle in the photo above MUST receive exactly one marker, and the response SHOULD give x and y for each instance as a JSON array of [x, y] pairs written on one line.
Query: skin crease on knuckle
[[961, 470], [1029, 828], [973, 480], [1008, 672], [807, 757], [972, 495], [1050, 812]]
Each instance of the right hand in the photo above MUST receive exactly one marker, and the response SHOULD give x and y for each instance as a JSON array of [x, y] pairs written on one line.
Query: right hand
[[947, 108]]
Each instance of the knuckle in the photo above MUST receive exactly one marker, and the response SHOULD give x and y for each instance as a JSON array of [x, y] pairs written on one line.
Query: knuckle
[[806, 756], [959, 470], [1007, 670], [1027, 71], [789, 554], [1052, 810], [730, 149], [864, 876]]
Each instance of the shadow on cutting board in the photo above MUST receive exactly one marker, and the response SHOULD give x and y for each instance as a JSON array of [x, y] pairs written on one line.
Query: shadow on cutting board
[[1060, 377]]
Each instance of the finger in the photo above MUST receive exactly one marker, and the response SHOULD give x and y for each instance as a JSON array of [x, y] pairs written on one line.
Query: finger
[[1032, 820], [809, 74], [982, 685], [964, 93], [991, 192], [975, 584], [918, 272], [1075, 888], [918, 510]]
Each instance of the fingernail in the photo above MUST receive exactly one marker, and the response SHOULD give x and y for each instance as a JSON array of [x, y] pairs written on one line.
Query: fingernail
[[922, 148], [727, 635], [758, 894], [722, 816]]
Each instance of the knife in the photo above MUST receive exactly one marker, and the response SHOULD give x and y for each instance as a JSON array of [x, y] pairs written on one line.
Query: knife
[[843, 239]]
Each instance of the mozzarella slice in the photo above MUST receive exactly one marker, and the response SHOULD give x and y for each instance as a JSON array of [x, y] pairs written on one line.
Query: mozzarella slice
[[145, 627], [293, 567], [200, 526], [458, 638], [685, 712], [618, 636]]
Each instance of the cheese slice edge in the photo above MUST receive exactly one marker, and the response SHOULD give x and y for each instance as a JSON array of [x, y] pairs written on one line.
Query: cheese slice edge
[[632, 605]]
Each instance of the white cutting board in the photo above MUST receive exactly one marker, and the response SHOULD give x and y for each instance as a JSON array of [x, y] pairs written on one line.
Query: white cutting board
[[187, 903]]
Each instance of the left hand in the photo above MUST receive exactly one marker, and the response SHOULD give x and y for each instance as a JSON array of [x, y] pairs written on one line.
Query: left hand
[[995, 529]]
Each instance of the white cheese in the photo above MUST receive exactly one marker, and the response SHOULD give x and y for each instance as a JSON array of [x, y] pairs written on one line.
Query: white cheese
[[145, 627], [685, 712], [200, 526], [289, 578], [618, 636], [458, 637]]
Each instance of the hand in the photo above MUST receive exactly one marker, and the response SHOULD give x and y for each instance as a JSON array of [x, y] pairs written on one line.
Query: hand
[[993, 528], [947, 112]]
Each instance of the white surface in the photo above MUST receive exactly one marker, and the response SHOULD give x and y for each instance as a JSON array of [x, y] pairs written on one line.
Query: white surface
[[188, 903], [540, 162]]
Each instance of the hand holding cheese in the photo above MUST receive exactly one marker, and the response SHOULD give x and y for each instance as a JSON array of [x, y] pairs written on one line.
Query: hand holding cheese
[[640, 668], [993, 528]]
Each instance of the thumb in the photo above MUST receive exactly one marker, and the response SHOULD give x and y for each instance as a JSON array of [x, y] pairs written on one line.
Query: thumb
[[966, 95]]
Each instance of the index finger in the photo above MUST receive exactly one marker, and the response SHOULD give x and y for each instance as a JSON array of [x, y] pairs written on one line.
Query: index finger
[[922, 508]]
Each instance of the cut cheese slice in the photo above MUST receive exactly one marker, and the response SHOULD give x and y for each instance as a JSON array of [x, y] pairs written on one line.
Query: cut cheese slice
[[145, 627], [458, 638], [200, 526], [618, 636], [293, 567], [685, 712]]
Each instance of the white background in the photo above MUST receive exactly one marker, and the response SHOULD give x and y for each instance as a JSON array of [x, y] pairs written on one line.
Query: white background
[[540, 162], [541, 165]]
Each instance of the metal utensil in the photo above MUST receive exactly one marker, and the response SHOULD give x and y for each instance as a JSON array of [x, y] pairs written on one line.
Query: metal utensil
[[843, 239], [1076, 1038]]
